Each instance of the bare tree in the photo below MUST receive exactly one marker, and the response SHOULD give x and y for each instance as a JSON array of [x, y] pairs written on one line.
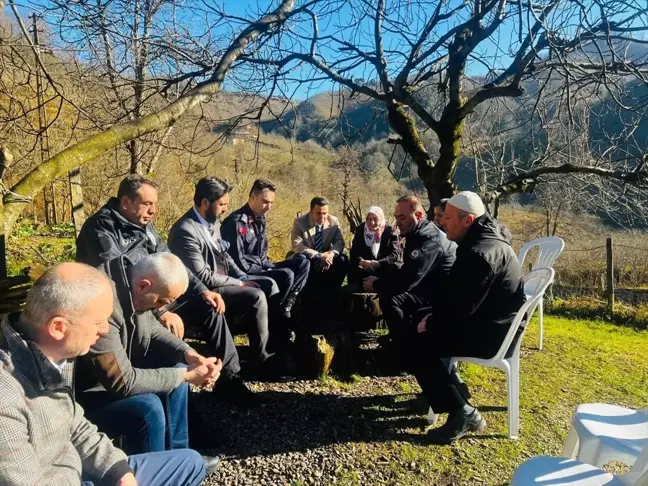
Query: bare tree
[[198, 87], [395, 52]]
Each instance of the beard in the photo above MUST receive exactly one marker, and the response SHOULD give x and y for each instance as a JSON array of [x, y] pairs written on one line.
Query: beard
[[210, 216]]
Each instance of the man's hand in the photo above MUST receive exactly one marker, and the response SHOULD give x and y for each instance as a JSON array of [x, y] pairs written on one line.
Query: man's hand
[[127, 480], [368, 265], [249, 283], [421, 325], [196, 360], [368, 284], [214, 299], [173, 322]]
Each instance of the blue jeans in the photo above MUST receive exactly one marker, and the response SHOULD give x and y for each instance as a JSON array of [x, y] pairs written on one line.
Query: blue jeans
[[149, 422], [182, 467]]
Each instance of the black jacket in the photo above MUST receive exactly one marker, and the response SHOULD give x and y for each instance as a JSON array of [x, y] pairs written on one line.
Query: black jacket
[[107, 235], [205, 255], [248, 241], [427, 258], [388, 252], [484, 287]]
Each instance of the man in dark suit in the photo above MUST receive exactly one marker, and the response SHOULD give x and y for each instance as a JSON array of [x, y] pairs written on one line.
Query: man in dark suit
[[245, 231], [317, 237], [196, 239]]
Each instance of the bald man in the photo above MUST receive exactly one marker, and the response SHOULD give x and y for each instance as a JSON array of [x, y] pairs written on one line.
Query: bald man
[[45, 438], [134, 382]]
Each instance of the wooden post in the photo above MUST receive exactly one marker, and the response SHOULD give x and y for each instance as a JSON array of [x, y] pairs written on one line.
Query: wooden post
[[610, 276]]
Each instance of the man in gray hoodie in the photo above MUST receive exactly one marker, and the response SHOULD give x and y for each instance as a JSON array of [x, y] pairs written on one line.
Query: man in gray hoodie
[[45, 437]]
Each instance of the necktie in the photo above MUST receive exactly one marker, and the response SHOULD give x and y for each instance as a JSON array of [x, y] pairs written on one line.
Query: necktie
[[319, 238]]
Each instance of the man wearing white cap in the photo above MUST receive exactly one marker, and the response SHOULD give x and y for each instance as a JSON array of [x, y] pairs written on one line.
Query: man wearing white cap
[[484, 291]]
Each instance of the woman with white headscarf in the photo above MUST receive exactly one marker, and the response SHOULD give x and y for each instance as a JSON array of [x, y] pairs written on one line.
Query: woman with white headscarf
[[374, 246]]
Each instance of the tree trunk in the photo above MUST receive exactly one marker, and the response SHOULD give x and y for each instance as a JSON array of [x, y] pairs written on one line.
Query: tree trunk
[[436, 177], [135, 163], [76, 199]]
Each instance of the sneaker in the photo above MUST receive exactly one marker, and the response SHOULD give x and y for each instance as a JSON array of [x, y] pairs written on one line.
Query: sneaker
[[458, 425], [235, 391]]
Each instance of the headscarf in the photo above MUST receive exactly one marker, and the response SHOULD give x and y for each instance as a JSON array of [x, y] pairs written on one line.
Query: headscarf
[[372, 238]]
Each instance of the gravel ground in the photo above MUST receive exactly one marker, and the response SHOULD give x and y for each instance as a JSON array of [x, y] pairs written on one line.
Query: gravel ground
[[311, 432]]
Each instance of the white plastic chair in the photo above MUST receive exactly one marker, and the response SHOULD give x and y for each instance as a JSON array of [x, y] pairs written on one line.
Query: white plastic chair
[[601, 433], [562, 471], [549, 249], [541, 278]]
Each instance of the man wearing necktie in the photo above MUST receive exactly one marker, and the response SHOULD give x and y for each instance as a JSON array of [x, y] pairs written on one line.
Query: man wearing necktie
[[196, 239], [317, 237]]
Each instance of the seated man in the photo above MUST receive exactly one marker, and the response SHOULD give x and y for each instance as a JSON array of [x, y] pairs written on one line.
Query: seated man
[[317, 237], [439, 210], [482, 294], [196, 239], [403, 290], [45, 438], [123, 227], [134, 381], [245, 231]]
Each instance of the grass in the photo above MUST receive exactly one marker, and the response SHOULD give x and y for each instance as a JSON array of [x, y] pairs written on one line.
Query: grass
[[583, 361]]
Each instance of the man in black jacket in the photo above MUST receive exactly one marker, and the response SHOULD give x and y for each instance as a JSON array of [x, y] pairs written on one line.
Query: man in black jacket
[[245, 231], [404, 289], [196, 239], [123, 227], [481, 296]]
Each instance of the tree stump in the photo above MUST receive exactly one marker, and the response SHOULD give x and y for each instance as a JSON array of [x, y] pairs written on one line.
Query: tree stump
[[360, 309]]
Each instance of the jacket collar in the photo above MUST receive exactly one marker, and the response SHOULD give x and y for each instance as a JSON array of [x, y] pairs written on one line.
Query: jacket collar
[[111, 210], [34, 366], [247, 215]]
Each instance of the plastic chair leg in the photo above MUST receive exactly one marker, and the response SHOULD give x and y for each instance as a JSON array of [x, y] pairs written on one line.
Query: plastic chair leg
[[571, 443], [589, 452], [541, 322], [513, 389], [432, 417]]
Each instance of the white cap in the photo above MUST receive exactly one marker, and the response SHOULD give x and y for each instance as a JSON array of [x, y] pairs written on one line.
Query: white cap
[[469, 202]]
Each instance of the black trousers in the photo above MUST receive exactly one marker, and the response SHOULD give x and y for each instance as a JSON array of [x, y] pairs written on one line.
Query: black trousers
[[290, 276], [402, 313], [430, 351], [252, 304], [324, 280], [198, 314]]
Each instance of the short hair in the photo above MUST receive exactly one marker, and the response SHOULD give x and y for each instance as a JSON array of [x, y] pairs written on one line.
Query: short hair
[[210, 188], [413, 202], [55, 294], [131, 184], [442, 203], [318, 201], [261, 185], [164, 269]]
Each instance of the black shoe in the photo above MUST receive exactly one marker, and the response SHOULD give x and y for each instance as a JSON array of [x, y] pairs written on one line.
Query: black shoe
[[234, 390], [212, 463], [458, 424], [288, 305]]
